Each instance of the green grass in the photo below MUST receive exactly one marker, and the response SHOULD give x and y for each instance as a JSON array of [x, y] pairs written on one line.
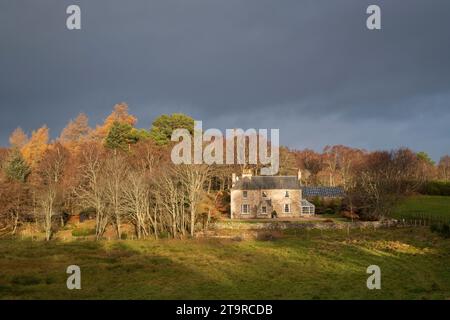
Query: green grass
[[435, 206], [311, 265]]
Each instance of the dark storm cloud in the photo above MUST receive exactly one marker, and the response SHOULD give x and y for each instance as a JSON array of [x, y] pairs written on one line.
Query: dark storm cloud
[[310, 68]]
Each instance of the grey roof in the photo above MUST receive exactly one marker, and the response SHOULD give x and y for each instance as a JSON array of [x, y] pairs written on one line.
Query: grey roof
[[329, 192], [267, 183]]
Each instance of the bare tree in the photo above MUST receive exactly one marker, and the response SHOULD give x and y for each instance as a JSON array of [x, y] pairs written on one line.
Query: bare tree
[[47, 183], [92, 189], [193, 178], [115, 171], [136, 203]]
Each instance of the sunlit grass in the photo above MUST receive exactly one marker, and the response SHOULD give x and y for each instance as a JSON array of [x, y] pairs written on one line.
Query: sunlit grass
[[313, 265], [437, 206]]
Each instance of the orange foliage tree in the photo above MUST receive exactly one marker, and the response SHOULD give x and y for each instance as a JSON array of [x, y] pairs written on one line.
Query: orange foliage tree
[[33, 150]]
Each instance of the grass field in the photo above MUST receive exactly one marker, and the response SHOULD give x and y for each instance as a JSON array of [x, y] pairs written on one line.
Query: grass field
[[436, 206], [317, 265]]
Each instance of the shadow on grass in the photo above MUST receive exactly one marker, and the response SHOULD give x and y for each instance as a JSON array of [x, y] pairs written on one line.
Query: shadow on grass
[[307, 266]]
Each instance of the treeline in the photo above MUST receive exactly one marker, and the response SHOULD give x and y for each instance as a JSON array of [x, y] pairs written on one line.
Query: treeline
[[124, 176]]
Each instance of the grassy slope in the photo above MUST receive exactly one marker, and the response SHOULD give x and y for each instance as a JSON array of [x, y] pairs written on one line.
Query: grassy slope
[[438, 206], [328, 265]]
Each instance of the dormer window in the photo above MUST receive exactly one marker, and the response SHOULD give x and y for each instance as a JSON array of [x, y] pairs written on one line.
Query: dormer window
[[286, 194], [244, 194], [264, 194]]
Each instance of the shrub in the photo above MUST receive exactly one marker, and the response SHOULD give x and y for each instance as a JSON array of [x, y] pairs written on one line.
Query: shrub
[[83, 232], [26, 280], [442, 229], [436, 188]]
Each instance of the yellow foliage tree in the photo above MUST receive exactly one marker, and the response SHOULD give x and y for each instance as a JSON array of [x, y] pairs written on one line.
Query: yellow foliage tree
[[33, 150], [120, 114], [18, 138], [76, 130]]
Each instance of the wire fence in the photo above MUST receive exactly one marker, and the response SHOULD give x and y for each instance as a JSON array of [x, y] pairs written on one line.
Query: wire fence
[[420, 218]]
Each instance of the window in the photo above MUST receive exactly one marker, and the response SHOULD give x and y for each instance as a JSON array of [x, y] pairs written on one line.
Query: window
[[244, 194], [245, 208], [286, 194], [263, 209], [287, 208], [264, 194]]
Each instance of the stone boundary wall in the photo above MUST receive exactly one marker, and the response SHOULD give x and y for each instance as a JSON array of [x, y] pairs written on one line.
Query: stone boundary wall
[[279, 225]]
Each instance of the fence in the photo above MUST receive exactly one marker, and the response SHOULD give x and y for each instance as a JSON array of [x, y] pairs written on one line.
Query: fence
[[420, 218]]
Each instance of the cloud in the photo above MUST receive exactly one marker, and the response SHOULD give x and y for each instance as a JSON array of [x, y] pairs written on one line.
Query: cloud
[[310, 68]]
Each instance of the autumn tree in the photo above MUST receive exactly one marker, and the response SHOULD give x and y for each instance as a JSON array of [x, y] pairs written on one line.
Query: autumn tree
[[34, 149], [76, 130], [121, 115], [18, 138], [382, 179], [310, 162]]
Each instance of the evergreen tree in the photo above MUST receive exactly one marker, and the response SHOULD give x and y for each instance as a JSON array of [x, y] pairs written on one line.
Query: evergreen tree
[[119, 136], [164, 125], [16, 167]]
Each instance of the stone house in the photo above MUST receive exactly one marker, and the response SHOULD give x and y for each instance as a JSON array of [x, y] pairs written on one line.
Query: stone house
[[267, 197]]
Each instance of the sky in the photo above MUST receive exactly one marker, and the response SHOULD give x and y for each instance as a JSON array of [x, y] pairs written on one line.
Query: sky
[[308, 67]]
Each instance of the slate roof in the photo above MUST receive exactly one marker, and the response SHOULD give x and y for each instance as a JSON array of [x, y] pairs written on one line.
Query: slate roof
[[267, 183], [328, 192]]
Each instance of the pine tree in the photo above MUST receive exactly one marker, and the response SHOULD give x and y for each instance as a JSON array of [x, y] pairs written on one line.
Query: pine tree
[[119, 136], [16, 167], [164, 125]]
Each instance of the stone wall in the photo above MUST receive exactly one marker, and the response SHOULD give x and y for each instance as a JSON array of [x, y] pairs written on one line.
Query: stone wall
[[278, 225]]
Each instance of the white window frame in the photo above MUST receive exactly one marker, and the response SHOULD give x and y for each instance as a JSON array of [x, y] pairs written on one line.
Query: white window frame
[[246, 206], [288, 206]]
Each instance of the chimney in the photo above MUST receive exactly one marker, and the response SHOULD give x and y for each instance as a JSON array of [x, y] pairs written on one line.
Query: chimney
[[233, 178], [299, 175]]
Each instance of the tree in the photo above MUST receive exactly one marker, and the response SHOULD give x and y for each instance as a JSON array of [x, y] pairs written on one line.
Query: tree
[[47, 182], [193, 178], [381, 179], [14, 205], [136, 203], [33, 150], [91, 191], [119, 136], [120, 114], [18, 138], [423, 156], [16, 167], [444, 168], [76, 130], [164, 125], [116, 170], [310, 163]]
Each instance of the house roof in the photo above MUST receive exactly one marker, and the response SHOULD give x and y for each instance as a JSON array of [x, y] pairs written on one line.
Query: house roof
[[328, 192], [267, 183]]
